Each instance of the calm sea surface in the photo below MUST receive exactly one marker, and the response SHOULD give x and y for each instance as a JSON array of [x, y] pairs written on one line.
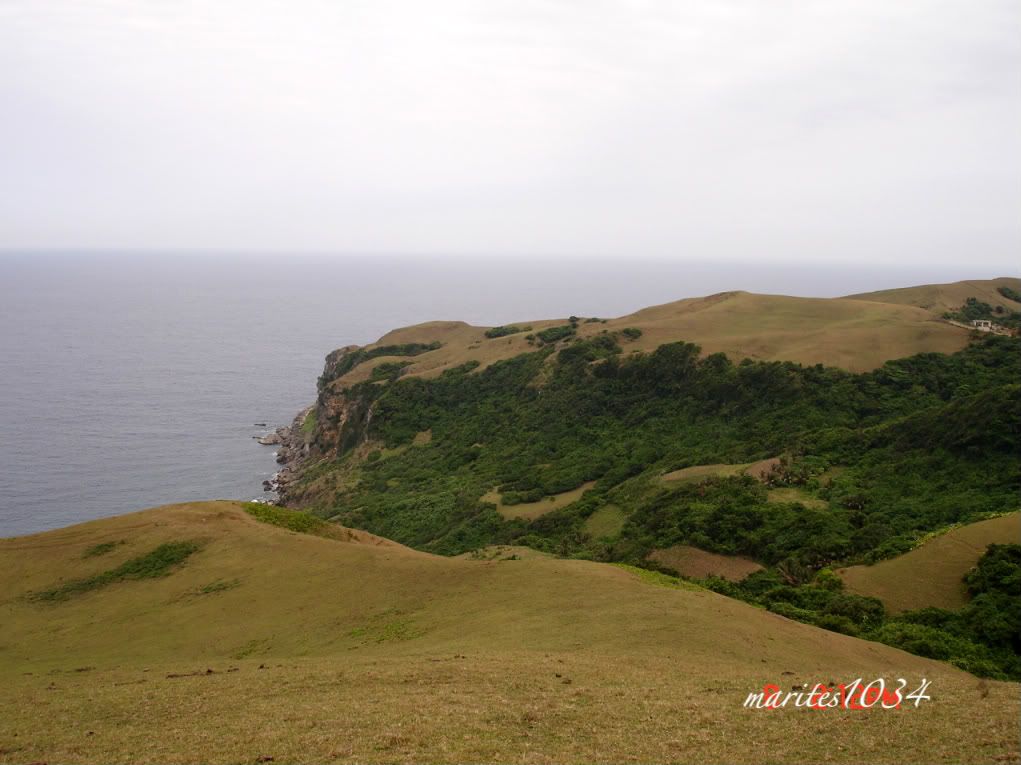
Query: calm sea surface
[[134, 380]]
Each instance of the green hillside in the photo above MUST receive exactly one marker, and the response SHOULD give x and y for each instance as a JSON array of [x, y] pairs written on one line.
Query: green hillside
[[327, 646], [869, 462]]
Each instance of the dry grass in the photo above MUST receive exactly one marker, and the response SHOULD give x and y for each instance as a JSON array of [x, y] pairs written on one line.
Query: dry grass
[[696, 472], [514, 707], [693, 562], [858, 333], [533, 510], [930, 575], [383, 654], [939, 298], [503, 552]]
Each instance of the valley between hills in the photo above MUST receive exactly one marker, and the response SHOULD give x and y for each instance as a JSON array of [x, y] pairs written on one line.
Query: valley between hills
[[572, 540]]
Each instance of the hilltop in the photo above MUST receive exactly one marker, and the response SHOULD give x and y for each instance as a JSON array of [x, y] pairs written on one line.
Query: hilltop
[[938, 298], [325, 646], [857, 332]]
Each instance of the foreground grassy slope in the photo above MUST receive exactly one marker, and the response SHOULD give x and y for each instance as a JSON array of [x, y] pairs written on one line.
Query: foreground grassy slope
[[932, 573], [858, 333], [271, 643]]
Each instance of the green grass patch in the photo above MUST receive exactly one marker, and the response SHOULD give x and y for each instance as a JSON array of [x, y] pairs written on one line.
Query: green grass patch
[[605, 523], [308, 425], [292, 520], [389, 632], [102, 549], [503, 331], [154, 564], [254, 646], [658, 579]]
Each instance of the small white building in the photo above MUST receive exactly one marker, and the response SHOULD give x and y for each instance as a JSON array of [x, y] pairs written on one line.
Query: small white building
[[982, 325]]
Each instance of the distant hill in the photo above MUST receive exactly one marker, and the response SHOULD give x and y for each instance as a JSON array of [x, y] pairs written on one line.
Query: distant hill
[[938, 298], [258, 642], [858, 332]]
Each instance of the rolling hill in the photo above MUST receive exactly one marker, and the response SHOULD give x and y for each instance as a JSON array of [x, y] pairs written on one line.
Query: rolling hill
[[932, 574], [258, 644], [857, 332], [938, 298]]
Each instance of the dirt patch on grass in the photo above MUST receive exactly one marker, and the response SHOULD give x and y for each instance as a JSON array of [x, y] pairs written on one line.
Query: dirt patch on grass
[[758, 470], [691, 561]]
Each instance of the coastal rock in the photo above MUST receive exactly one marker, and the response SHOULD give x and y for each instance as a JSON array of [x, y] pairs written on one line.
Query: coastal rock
[[336, 423], [271, 439]]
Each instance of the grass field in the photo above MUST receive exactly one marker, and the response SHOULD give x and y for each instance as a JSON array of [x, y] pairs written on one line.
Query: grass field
[[930, 575], [698, 472], [605, 523], [691, 561], [938, 298], [858, 332], [532, 510], [267, 642], [794, 494]]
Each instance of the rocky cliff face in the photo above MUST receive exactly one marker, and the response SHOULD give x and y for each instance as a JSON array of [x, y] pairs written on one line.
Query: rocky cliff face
[[325, 430]]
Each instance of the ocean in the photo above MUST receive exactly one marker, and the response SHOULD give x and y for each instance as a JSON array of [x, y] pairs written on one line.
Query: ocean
[[129, 380]]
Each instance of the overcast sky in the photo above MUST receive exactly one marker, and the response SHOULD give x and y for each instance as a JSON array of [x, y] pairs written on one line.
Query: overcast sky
[[882, 131]]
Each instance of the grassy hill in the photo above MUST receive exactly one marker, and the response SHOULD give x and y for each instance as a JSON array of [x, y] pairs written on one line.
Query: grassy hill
[[262, 642], [938, 298], [857, 332], [932, 574]]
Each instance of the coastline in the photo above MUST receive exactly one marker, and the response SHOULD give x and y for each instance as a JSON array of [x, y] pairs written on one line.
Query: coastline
[[292, 451]]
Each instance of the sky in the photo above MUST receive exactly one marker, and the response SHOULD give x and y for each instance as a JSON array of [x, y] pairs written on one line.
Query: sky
[[822, 131]]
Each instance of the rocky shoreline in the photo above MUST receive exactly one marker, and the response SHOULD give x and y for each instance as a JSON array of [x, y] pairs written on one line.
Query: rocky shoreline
[[320, 431], [293, 450]]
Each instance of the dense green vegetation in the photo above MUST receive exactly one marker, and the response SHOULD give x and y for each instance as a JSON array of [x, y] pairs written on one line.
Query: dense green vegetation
[[1010, 294], [974, 308], [291, 520], [983, 638], [893, 454], [503, 331], [631, 333], [156, 563], [552, 335], [388, 370], [352, 359]]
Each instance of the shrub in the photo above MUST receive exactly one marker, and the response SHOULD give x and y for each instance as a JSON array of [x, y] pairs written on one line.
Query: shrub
[[153, 564], [102, 549], [292, 520], [555, 334], [503, 331], [863, 611], [837, 623], [1010, 294]]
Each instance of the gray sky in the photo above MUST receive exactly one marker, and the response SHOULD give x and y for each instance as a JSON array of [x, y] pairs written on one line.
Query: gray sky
[[881, 131]]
